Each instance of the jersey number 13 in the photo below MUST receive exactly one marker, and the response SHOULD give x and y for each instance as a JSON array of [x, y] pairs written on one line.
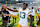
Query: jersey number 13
[[22, 15]]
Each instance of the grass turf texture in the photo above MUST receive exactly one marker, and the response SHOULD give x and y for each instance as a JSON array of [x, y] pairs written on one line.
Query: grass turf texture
[[17, 20], [35, 20], [11, 21]]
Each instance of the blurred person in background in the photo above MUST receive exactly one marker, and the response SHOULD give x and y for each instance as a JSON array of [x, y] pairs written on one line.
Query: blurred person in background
[[15, 15], [32, 16], [5, 16], [38, 14]]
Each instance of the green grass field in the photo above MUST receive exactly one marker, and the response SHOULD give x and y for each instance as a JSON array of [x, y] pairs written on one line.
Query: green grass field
[[11, 21], [35, 20], [17, 20]]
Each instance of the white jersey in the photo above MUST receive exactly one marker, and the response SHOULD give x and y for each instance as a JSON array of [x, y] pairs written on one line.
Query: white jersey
[[38, 11], [33, 12], [23, 17], [13, 13]]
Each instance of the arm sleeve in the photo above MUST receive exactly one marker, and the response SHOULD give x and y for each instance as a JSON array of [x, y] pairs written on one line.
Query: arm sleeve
[[0, 12], [8, 12]]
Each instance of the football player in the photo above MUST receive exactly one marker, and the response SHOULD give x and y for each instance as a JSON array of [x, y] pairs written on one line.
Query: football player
[[23, 15]]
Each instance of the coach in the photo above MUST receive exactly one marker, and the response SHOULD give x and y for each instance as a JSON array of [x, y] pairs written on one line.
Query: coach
[[5, 16]]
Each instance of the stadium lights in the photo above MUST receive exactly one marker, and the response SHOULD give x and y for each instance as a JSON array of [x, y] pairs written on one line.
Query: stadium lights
[[30, 3], [16, 0]]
